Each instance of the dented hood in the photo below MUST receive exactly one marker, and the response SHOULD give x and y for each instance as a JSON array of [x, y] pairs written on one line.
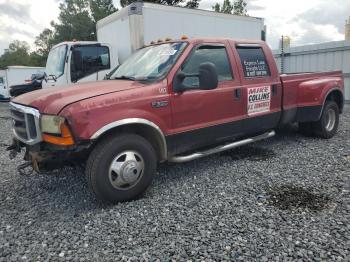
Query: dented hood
[[53, 100]]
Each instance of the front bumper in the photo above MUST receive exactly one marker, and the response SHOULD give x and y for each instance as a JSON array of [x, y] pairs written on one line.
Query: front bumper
[[45, 157], [43, 161]]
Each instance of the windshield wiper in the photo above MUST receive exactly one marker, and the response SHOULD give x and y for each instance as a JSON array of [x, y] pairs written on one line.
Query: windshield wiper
[[125, 78], [144, 78], [140, 78]]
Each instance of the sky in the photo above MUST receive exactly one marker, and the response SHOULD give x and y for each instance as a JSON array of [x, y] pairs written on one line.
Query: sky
[[305, 21]]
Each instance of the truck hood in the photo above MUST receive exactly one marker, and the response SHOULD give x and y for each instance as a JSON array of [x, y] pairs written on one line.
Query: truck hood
[[53, 100]]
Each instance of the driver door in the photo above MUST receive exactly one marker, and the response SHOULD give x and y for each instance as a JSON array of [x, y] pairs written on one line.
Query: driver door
[[204, 117], [89, 63]]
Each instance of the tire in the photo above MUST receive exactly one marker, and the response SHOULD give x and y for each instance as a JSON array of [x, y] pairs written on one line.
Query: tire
[[121, 168], [328, 124]]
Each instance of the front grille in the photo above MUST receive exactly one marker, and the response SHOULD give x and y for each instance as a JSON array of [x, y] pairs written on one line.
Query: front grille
[[19, 123], [25, 123]]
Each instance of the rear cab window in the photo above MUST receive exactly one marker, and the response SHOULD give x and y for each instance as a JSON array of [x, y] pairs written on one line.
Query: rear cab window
[[253, 61]]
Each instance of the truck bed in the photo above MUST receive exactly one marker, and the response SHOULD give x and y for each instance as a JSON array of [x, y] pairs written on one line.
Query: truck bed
[[304, 75], [302, 92], [299, 88]]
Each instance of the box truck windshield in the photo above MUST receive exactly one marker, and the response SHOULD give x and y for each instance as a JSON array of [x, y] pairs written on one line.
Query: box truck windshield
[[55, 62], [150, 63]]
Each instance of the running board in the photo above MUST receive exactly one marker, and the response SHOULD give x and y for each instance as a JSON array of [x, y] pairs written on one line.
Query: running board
[[181, 159]]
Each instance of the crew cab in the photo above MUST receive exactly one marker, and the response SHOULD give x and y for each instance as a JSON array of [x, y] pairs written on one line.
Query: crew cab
[[170, 101]]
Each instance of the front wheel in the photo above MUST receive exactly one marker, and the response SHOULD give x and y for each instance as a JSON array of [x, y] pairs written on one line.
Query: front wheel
[[327, 126], [121, 168]]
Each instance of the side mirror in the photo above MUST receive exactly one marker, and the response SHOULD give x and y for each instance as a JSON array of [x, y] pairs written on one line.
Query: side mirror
[[207, 76], [77, 59], [76, 66]]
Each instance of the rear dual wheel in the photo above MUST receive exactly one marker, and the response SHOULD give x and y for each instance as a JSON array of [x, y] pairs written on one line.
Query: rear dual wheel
[[327, 125], [121, 168]]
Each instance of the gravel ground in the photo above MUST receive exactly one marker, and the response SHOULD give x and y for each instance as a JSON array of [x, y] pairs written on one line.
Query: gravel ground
[[287, 198]]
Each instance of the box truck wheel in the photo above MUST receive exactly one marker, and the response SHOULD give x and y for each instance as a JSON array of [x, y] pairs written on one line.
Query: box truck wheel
[[120, 168], [327, 126]]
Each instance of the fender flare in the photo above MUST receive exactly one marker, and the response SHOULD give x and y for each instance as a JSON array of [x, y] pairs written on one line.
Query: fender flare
[[336, 88], [130, 121]]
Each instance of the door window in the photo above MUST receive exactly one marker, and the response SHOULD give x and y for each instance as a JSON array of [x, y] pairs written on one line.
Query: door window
[[253, 61], [206, 53], [56, 61], [87, 60], [1, 81]]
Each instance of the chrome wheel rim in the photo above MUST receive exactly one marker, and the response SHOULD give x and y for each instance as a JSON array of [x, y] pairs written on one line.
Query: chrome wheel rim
[[330, 120], [126, 170]]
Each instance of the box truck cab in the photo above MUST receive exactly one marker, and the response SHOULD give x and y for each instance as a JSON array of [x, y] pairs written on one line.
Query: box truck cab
[[122, 33], [78, 61]]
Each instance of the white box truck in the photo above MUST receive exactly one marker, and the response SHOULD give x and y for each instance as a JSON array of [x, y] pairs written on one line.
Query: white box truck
[[16, 75], [134, 26]]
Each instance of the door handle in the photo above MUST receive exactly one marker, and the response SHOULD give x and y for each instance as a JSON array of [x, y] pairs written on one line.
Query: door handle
[[237, 94]]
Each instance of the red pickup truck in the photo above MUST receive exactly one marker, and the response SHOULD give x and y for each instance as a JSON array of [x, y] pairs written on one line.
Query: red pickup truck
[[170, 101]]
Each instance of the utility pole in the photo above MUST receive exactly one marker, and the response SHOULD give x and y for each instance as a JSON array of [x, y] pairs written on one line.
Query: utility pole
[[347, 29], [282, 54]]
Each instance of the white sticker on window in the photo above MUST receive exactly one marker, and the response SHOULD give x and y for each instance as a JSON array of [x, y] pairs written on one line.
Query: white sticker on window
[[168, 52], [255, 68], [259, 99]]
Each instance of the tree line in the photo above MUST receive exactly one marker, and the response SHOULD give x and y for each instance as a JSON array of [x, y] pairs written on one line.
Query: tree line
[[77, 20]]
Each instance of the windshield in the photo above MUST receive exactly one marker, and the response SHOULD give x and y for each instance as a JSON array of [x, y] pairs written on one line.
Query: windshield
[[55, 61], [149, 63]]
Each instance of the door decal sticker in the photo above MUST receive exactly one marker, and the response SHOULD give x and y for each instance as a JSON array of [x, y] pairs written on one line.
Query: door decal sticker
[[259, 99]]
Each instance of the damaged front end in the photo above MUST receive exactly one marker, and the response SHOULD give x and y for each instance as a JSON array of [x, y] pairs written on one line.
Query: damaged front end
[[15, 148], [47, 140], [44, 157]]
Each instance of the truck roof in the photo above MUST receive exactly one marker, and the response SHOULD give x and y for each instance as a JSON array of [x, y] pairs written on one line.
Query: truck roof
[[212, 40], [76, 43], [136, 8], [24, 67]]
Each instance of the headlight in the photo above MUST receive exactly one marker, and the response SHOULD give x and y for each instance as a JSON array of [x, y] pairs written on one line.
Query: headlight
[[56, 131], [51, 124]]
